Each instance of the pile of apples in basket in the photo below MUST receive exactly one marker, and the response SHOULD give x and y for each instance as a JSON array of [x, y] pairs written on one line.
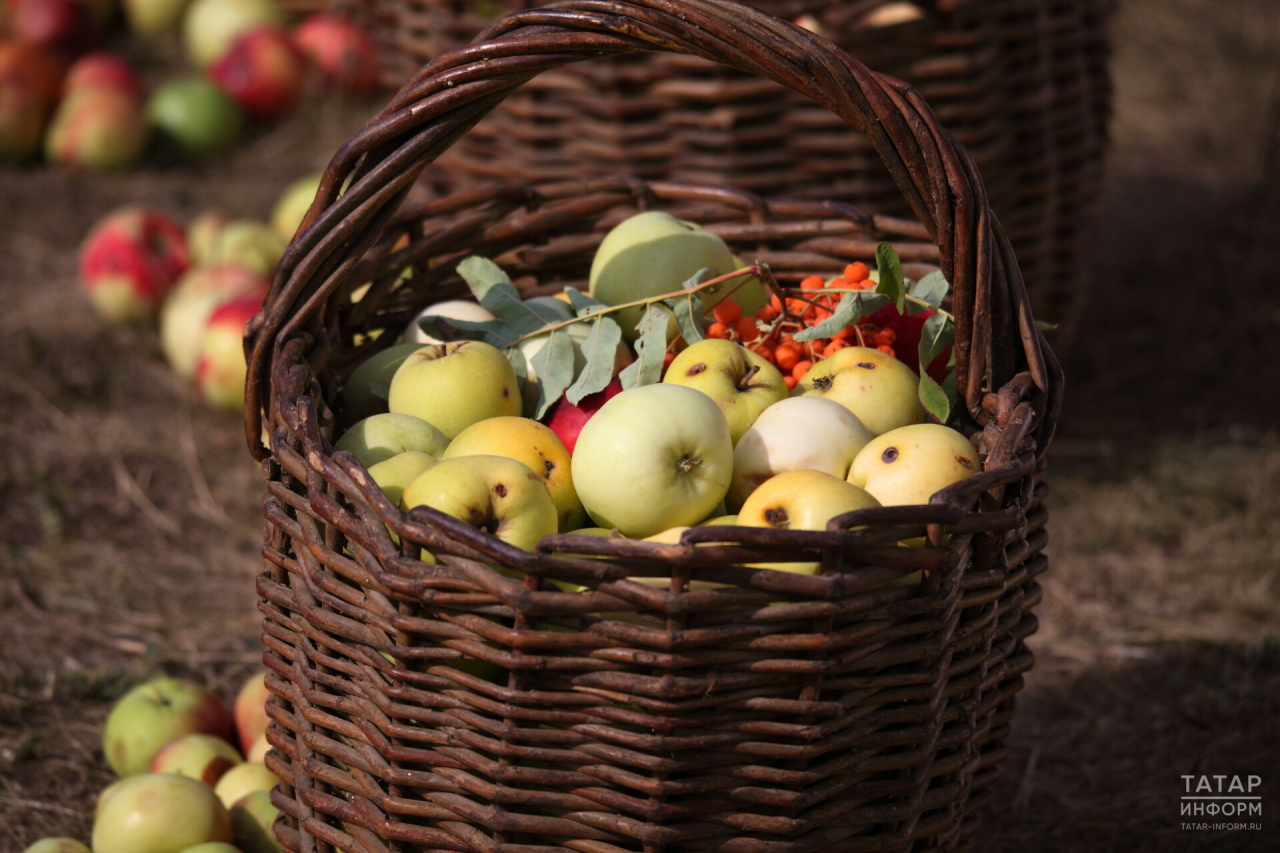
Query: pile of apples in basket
[[687, 388]]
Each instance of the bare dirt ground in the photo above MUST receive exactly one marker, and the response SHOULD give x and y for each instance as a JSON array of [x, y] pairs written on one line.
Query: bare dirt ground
[[129, 522]]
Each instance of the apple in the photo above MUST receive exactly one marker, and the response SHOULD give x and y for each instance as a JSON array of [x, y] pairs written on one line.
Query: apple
[[652, 458], [263, 72], [152, 714], [742, 383], [650, 254], [244, 779], [195, 117], [160, 813], [379, 437], [498, 495], [567, 420], [149, 18], [293, 204], [257, 753], [365, 393], [30, 86], [801, 500], [796, 434], [197, 756], [907, 465], [210, 26], [186, 311], [102, 71], [220, 367], [454, 385], [878, 388], [394, 474], [458, 309], [64, 26], [57, 845], [250, 709], [97, 130], [129, 262], [345, 56], [212, 847], [203, 234], [720, 521], [248, 243], [909, 328], [251, 819], [533, 444], [106, 794]]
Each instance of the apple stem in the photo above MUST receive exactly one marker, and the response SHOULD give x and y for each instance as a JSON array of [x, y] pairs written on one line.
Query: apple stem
[[745, 382], [687, 464]]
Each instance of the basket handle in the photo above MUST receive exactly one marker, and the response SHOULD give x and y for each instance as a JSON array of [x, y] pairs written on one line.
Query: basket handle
[[996, 337]]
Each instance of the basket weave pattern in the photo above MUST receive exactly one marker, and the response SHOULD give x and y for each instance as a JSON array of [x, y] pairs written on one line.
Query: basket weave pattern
[[777, 714]]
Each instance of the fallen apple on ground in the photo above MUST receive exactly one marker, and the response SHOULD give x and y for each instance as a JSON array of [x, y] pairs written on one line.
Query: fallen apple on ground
[[220, 367], [345, 56], [130, 261], [193, 300], [263, 72], [160, 813], [202, 757], [153, 714], [244, 779]]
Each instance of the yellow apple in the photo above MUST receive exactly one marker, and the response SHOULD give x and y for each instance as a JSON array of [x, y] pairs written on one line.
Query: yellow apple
[[742, 383], [197, 756], [365, 393], [720, 520], [57, 845], [535, 445], [244, 779], [379, 437], [257, 753], [395, 474], [160, 813], [292, 206], [801, 500], [455, 385], [907, 465], [252, 818], [882, 391]]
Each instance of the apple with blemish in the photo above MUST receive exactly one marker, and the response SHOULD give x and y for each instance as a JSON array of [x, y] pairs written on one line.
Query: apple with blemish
[[244, 779], [878, 388], [742, 383], [455, 385], [220, 367], [263, 72], [796, 434], [193, 300], [906, 466], [130, 261], [801, 500], [345, 56], [160, 813], [153, 714], [197, 756]]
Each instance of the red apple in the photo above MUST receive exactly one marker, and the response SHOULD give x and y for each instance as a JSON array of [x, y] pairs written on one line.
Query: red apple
[[907, 346], [344, 54], [97, 130], [197, 756], [30, 84], [262, 72], [35, 69], [188, 307], [220, 367], [65, 26], [129, 262], [250, 710], [567, 420], [103, 71]]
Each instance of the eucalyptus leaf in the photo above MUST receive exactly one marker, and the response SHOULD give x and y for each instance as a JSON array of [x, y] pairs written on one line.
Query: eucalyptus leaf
[[934, 399], [848, 312], [600, 350], [519, 364], [892, 284], [651, 350], [494, 332], [937, 334], [949, 387], [688, 309], [554, 366], [494, 290], [932, 289], [581, 303]]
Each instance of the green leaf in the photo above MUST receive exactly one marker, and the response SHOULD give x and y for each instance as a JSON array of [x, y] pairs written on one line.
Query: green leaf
[[581, 303], [949, 386], [891, 283], [554, 366], [847, 312], [1045, 326], [651, 349], [600, 350], [493, 289], [937, 334], [932, 289], [688, 307], [934, 399], [494, 332], [519, 364]]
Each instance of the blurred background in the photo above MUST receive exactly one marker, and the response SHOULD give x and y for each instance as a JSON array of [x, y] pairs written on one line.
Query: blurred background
[[129, 514]]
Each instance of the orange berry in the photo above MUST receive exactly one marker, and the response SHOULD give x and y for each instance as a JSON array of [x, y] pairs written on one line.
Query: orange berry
[[745, 328], [765, 313], [764, 352], [838, 281], [717, 330], [888, 350], [886, 336], [844, 334], [813, 349], [833, 348], [789, 341], [727, 311], [801, 368], [786, 356], [856, 272], [791, 381], [666, 362], [813, 282], [776, 304]]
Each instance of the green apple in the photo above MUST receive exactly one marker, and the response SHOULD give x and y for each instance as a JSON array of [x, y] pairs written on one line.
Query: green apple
[[251, 818], [250, 244], [650, 254], [498, 495], [152, 714], [197, 756], [907, 465], [457, 309], [796, 434], [366, 391], [379, 437], [801, 500], [394, 474], [882, 391], [742, 383], [57, 845], [210, 26], [244, 779], [535, 445], [160, 813], [195, 116], [213, 847], [188, 307], [250, 709], [149, 18], [106, 794], [455, 385], [652, 458], [292, 206], [202, 236]]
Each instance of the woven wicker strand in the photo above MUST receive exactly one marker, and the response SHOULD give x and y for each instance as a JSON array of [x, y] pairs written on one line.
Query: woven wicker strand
[[778, 713]]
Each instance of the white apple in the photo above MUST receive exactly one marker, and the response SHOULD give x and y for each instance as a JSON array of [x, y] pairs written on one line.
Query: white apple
[[57, 845], [907, 465], [251, 818], [796, 434], [395, 474], [535, 445], [498, 495], [152, 714], [379, 437], [653, 457], [188, 307], [454, 385], [366, 391], [458, 309], [210, 26], [742, 383], [244, 779], [250, 709], [257, 753], [801, 500], [197, 756], [293, 204], [160, 813], [882, 391], [650, 254]]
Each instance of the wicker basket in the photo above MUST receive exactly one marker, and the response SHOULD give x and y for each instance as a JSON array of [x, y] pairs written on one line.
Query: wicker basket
[[781, 713], [1023, 84]]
